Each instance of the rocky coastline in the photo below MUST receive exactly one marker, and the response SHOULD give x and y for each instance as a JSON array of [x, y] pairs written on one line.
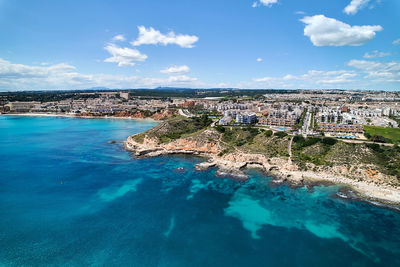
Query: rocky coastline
[[282, 170]]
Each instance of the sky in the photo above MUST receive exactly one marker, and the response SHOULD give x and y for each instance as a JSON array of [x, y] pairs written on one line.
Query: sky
[[254, 44]]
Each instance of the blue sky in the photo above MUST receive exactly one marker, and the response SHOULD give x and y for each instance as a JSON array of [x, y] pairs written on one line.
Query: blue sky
[[347, 44]]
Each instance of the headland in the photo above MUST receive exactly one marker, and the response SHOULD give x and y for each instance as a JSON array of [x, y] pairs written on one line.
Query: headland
[[289, 159]]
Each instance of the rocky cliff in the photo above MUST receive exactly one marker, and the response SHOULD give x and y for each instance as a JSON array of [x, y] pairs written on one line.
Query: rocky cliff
[[231, 161]]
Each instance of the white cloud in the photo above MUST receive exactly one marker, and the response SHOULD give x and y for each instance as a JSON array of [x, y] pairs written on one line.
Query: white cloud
[[354, 6], [259, 59], [155, 37], [364, 74], [64, 76], [396, 42], [123, 56], [381, 71], [376, 54], [267, 3], [312, 77], [176, 70], [119, 38], [325, 31], [181, 79]]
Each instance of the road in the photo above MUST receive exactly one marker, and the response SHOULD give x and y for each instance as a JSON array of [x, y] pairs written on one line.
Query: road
[[365, 142], [290, 150]]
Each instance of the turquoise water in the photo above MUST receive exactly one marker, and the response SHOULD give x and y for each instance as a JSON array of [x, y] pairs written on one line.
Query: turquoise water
[[70, 198]]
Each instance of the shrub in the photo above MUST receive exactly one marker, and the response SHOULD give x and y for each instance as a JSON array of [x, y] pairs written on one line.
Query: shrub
[[253, 131], [311, 141], [380, 139], [374, 147], [220, 129], [280, 134], [298, 139], [329, 141], [268, 133]]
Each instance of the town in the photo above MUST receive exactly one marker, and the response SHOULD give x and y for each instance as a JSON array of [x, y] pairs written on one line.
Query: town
[[356, 115]]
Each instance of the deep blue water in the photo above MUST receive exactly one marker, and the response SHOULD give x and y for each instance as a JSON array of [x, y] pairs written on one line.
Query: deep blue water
[[68, 197]]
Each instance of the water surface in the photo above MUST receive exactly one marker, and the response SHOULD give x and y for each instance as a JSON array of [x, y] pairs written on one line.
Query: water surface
[[70, 198]]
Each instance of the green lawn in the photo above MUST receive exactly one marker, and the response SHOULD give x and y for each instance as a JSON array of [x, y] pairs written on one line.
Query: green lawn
[[390, 133]]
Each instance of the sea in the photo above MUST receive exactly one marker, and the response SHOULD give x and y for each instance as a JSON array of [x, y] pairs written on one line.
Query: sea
[[70, 197]]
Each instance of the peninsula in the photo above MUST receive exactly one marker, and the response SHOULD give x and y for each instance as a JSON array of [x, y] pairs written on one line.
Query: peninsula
[[368, 169]]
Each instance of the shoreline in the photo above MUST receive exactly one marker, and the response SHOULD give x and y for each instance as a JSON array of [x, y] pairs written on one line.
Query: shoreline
[[74, 116], [283, 172]]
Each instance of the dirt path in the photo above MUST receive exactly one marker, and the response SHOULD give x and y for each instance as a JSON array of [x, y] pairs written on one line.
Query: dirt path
[[290, 150]]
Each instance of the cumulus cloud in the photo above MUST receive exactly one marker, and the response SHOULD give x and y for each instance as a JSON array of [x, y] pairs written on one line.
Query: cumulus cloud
[[381, 71], [64, 76], [354, 6], [119, 38], [124, 56], [324, 31], [155, 37], [376, 54], [259, 59], [176, 70], [364, 74], [19, 76], [396, 42], [267, 3], [312, 76], [181, 79]]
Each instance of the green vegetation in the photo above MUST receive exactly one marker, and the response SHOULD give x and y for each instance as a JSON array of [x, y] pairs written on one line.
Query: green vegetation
[[158, 93], [253, 140], [330, 152], [239, 136], [382, 134], [280, 134], [139, 138], [177, 127], [268, 133], [45, 96], [311, 150], [387, 158]]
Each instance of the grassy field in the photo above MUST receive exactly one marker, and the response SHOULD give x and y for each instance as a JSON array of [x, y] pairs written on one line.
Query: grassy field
[[390, 133]]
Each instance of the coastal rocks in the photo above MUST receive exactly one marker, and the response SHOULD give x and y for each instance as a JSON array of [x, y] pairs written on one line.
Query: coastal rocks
[[370, 184], [231, 173], [162, 115], [122, 114], [138, 115], [192, 145], [204, 166], [180, 170]]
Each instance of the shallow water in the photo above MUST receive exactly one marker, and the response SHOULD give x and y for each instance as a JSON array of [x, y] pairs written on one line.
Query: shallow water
[[68, 197]]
